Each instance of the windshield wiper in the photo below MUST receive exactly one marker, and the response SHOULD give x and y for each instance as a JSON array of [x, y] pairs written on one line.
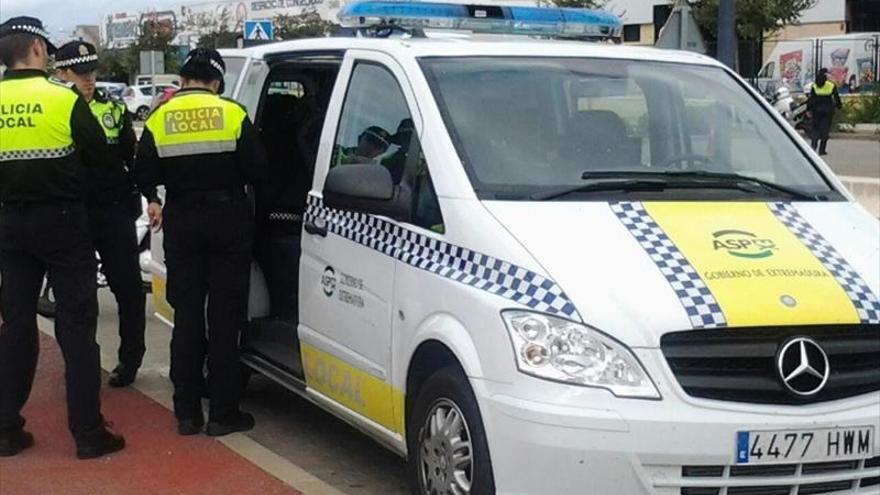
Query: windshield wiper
[[722, 176], [708, 179], [611, 184]]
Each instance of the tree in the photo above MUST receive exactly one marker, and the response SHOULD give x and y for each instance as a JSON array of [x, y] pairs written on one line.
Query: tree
[[214, 32], [308, 24], [114, 65], [155, 35], [755, 19]]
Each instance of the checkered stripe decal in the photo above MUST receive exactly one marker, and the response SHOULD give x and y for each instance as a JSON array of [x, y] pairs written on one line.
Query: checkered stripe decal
[[698, 301], [864, 300], [6, 156], [446, 260]]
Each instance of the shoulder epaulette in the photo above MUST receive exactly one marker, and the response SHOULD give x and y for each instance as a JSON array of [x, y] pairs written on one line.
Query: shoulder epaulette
[[230, 100], [61, 82], [101, 96]]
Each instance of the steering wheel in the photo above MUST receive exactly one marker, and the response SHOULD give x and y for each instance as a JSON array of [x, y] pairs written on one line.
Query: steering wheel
[[683, 159]]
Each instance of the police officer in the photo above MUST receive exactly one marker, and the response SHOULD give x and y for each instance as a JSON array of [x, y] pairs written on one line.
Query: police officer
[[113, 205], [45, 129], [204, 149], [821, 103]]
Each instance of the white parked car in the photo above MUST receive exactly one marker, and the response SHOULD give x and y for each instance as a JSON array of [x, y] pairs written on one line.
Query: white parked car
[[138, 99], [553, 267]]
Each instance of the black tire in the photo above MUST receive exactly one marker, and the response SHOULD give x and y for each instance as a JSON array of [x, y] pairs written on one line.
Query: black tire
[[445, 386]]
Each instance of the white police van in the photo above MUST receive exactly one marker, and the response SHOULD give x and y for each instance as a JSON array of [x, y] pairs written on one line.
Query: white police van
[[557, 267]]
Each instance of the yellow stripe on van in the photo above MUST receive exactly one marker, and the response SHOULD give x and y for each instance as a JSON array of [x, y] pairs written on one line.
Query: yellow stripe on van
[[353, 388], [758, 270]]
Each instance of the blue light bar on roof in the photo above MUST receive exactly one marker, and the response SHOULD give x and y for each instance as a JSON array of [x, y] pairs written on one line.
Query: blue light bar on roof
[[492, 19]]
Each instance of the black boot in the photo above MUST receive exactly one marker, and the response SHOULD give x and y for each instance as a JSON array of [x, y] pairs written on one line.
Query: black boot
[[244, 422], [98, 443], [14, 441], [190, 426], [122, 376]]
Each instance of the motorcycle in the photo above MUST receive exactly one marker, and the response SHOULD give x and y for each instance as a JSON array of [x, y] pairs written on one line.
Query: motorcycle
[[46, 303]]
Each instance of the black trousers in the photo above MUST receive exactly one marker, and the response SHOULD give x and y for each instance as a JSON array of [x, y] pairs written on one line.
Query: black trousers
[[34, 239], [113, 231], [208, 255], [821, 130]]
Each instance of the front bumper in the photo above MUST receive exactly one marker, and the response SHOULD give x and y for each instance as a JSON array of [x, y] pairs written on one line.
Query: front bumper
[[555, 439]]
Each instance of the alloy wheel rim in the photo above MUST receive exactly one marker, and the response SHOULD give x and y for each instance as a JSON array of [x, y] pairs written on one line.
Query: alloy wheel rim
[[446, 465]]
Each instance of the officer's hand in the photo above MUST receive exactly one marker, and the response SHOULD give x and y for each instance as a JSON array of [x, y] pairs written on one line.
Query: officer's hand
[[154, 211]]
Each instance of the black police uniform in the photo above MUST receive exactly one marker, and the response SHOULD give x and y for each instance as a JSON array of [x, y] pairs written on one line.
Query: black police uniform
[[204, 149], [113, 205], [47, 134]]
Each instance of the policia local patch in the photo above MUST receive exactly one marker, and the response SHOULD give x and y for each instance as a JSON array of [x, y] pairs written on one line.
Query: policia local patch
[[748, 264], [193, 120], [19, 114]]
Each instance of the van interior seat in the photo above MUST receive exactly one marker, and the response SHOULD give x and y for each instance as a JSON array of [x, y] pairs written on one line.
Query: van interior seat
[[601, 139]]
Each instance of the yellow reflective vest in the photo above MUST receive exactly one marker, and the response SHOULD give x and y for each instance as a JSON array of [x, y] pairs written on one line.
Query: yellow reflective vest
[[196, 123], [110, 115], [35, 119], [824, 90]]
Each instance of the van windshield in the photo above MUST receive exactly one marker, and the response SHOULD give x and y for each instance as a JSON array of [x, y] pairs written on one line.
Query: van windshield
[[524, 126]]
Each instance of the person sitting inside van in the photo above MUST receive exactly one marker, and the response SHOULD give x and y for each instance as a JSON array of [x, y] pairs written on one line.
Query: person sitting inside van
[[372, 143]]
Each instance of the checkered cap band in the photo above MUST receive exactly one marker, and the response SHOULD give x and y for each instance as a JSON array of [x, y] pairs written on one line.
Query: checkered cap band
[[8, 156], [24, 28], [447, 260], [77, 60], [696, 298], [215, 64], [864, 300]]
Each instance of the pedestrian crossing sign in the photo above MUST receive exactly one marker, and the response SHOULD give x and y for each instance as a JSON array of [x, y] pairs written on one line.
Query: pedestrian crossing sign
[[258, 30]]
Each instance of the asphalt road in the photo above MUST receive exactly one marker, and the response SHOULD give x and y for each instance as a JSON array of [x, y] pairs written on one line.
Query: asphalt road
[[854, 158]]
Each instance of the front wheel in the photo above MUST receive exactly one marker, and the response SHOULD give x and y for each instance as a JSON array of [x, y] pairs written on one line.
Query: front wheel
[[448, 452]]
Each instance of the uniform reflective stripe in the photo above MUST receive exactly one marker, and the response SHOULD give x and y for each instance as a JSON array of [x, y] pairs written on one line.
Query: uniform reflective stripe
[[35, 118], [824, 90], [6, 156], [202, 148], [196, 123]]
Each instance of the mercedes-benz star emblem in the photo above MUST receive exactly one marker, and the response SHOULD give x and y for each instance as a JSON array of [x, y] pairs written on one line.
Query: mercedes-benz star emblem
[[803, 366]]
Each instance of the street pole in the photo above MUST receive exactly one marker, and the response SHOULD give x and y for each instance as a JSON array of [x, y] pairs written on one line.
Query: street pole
[[727, 33]]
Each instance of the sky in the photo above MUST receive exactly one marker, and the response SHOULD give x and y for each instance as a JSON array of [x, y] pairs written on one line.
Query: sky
[[66, 14]]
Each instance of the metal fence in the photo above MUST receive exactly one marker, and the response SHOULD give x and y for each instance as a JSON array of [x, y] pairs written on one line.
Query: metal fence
[[852, 62]]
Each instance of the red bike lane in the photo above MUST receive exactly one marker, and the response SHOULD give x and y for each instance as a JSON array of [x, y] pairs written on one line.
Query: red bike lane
[[155, 461]]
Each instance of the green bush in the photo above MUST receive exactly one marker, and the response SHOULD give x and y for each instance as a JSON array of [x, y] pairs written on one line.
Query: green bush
[[862, 109]]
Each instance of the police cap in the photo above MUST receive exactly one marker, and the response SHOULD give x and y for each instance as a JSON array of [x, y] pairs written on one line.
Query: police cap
[[29, 25], [79, 56], [202, 61]]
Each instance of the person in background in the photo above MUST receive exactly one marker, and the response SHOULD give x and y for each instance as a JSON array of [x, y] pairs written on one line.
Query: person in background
[[821, 104], [113, 205], [48, 135]]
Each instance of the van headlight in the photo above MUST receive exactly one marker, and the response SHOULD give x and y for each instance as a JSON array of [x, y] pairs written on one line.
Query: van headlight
[[561, 350]]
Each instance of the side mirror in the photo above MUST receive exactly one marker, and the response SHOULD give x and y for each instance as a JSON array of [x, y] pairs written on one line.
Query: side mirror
[[366, 188]]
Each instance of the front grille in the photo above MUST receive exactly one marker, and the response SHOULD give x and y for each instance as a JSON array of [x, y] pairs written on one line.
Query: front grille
[[740, 364], [784, 479]]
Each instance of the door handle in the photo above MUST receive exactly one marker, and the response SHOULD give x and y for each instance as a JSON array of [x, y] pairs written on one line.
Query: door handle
[[314, 229]]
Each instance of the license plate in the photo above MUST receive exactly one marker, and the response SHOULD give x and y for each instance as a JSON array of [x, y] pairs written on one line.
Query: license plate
[[825, 444]]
